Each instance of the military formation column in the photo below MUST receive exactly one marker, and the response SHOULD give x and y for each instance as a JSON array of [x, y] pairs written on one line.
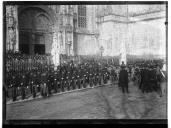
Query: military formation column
[[32, 76]]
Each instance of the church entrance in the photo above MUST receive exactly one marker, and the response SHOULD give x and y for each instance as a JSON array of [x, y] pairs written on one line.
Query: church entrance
[[35, 31], [24, 48], [39, 49]]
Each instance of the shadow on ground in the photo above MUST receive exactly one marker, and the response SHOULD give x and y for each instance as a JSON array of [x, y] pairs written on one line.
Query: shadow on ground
[[105, 102]]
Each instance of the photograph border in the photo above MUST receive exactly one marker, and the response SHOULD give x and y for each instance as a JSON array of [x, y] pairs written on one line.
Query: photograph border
[[78, 121]]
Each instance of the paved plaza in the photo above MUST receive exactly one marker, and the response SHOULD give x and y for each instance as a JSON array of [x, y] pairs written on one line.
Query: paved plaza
[[105, 102]]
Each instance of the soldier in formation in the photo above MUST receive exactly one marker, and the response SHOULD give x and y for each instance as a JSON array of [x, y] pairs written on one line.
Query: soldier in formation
[[123, 79], [37, 76]]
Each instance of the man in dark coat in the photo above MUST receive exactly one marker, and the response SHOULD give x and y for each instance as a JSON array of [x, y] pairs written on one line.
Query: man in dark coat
[[123, 79], [145, 79]]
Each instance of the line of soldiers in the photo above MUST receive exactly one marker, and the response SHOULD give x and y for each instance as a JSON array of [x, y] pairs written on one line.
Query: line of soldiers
[[67, 77], [70, 76]]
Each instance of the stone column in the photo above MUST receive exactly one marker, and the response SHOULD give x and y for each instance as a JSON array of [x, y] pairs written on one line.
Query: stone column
[[72, 35], [65, 42], [60, 39], [123, 51], [55, 52], [16, 28], [72, 45], [12, 27]]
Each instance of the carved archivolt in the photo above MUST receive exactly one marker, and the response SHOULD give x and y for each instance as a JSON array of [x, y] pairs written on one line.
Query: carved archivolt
[[35, 19]]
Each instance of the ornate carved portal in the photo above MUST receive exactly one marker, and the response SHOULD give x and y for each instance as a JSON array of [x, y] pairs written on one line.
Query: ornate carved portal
[[35, 31]]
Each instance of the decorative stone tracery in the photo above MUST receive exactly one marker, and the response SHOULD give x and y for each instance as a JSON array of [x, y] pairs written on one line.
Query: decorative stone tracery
[[11, 28]]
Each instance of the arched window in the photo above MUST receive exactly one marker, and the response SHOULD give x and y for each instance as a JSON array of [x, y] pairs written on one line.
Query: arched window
[[82, 21]]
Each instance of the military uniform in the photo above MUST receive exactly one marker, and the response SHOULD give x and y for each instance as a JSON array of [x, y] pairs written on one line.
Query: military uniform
[[68, 81], [62, 82], [137, 75], [58, 81], [14, 86], [23, 86], [8, 84], [50, 82], [27, 82], [55, 81], [100, 77], [18, 80], [75, 78], [38, 77], [113, 75], [78, 80], [105, 76], [73, 82], [65, 85], [44, 84], [84, 79], [95, 78], [91, 79], [34, 84]]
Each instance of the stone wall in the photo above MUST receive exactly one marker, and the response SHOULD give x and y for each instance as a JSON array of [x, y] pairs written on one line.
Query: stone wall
[[112, 37], [148, 37], [85, 39], [87, 45], [91, 19], [140, 38], [143, 33]]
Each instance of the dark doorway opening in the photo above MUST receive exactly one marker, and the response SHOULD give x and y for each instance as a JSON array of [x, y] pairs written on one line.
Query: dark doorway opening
[[24, 48], [39, 49]]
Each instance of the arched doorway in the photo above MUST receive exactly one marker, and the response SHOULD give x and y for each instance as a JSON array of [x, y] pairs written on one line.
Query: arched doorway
[[35, 31]]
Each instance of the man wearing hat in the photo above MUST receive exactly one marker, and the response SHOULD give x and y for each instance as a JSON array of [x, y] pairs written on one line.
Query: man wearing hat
[[123, 79], [145, 79]]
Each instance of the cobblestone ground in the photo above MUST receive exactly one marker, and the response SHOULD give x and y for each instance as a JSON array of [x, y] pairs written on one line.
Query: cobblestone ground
[[105, 102]]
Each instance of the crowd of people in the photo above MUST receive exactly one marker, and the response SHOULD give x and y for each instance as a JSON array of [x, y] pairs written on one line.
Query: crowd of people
[[39, 77], [147, 75]]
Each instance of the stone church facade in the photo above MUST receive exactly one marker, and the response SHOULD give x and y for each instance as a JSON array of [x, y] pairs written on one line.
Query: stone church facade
[[84, 29]]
